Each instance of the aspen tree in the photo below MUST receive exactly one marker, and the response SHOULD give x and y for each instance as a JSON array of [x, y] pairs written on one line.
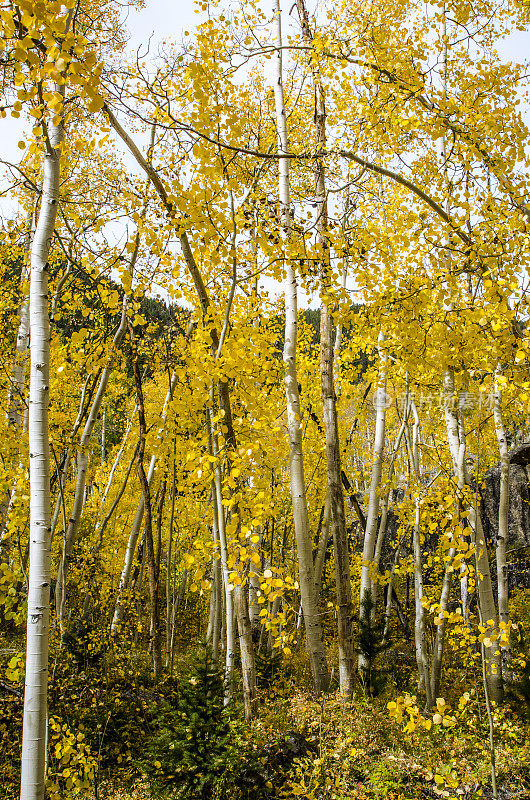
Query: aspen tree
[[331, 425], [33, 757], [419, 618], [314, 639], [504, 508], [372, 517], [137, 522]]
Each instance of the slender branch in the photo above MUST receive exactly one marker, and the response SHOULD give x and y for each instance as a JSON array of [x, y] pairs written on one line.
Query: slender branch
[[395, 176]]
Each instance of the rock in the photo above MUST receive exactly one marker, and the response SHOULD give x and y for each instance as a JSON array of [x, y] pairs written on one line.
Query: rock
[[519, 514], [520, 455]]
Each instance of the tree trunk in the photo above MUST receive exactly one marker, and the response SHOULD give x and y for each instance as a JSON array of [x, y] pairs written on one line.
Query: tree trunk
[[219, 521], [331, 427], [248, 667], [32, 780], [314, 638], [366, 589], [502, 535], [152, 557], [137, 524]]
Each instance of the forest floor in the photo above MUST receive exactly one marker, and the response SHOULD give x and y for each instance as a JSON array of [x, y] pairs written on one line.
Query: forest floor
[[337, 750], [297, 747]]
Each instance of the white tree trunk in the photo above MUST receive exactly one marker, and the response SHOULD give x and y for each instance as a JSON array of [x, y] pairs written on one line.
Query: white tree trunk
[[314, 639], [36, 687], [366, 588], [504, 499]]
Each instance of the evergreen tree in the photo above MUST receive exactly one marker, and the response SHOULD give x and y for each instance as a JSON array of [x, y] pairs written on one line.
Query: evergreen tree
[[370, 643], [195, 753]]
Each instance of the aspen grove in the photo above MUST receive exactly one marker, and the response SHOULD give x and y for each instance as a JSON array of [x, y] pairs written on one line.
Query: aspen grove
[[265, 391]]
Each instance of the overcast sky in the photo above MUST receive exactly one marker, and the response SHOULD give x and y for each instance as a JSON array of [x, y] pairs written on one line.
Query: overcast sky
[[162, 19], [167, 18]]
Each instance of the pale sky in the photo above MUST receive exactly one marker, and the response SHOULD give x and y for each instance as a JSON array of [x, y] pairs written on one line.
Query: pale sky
[[169, 19], [163, 19]]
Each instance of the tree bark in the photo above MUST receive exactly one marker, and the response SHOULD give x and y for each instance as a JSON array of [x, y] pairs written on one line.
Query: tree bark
[[32, 780], [314, 638], [502, 535], [331, 427], [366, 589], [137, 523]]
